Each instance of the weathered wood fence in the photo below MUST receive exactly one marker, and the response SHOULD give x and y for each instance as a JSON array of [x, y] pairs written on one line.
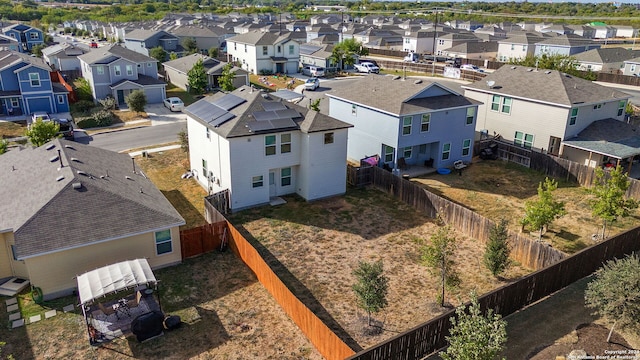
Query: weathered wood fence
[[429, 337], [201, 239]]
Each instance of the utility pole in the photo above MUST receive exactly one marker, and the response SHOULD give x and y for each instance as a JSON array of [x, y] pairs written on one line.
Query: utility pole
[[433, 51]]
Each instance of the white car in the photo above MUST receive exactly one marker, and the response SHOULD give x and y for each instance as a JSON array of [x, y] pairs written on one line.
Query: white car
[[312, 84], [470, 67], [173, 104]]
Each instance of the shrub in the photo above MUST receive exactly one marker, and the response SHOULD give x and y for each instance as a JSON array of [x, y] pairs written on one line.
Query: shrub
[[82, 107], [136, 101], [266, 72], [103, 118], [4, 145], [83, 89], [108, 103]]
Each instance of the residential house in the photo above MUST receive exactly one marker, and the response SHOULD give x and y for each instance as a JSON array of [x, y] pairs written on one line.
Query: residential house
[[493, 30], [265, 51], [26, 86], [445, 41], [176, 71], [625, 31], [631, 67], [63, 56], [315, 31], [258, 147], [518, 45], [26, 36], [317, 55], [565, 45], [464, 25], [380, 38], [420, 41], [141, 41], [603, 31], [583, 30], [331, 39], [541, 108], [8, 43], [76, 207], [117, 71], [205, 37], [474, 50], [560, 29], [419, 122], [610, 60]]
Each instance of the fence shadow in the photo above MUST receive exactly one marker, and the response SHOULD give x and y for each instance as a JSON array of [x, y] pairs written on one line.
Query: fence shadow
[[192, 216]]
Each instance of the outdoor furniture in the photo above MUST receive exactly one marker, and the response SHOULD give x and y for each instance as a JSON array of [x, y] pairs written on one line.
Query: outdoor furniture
[[459, 165], [106, 310], [121, 308], [135, 301]]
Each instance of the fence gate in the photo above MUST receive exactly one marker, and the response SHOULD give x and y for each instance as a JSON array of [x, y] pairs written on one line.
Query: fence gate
[[219, 201]]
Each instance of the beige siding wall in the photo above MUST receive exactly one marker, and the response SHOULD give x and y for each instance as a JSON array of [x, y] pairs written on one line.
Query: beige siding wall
[[581, 156], [177, 78], [5, 256], [55, 273], [15, 268]]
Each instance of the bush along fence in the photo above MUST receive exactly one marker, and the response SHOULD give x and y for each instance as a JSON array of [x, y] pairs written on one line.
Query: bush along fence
[[429, 337]]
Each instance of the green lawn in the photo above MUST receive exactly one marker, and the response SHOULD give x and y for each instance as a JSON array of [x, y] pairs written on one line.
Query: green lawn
[[174, 91]]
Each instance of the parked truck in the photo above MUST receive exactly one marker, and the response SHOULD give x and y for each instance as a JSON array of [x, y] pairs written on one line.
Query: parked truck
[[367, 67]]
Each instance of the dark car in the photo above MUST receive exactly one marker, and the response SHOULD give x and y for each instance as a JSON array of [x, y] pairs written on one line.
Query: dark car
[[66, 128]]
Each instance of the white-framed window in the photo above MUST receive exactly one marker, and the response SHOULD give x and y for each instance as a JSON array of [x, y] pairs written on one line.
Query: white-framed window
[[117, 71], [632, 68], [407, 152], [208, 134], [245, 47], [354, 110], [388, 153], [257, 181], [265, 50], [597, 106], [100, 69], [471, 113], [466, 147], [270, 145], [164, 244], [149, 64], [506, 105], [285, 143], [235, 46], [285, 176], [13, 252], [129, 69], [446, 151], [292, 49], [406, 125], [495, 103], [513, 46], [34, 78], [574, 116], [440, 42], [15, 103], [34, 36], [328, 138], [501, 104], [60, 99], [204, 167], [621, 106], [12, 35], [524, 140], [425, 122]]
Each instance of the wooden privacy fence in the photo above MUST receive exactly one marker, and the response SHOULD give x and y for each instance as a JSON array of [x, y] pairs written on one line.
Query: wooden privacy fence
[[325, 340], [430, 336], [529, 253], [202, 239]]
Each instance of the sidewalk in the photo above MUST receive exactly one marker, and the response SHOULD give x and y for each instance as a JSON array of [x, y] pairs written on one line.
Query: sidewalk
[[154, 150]]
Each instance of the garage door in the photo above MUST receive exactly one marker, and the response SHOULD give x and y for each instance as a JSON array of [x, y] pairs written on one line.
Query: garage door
[[154, 95], [39, 104]]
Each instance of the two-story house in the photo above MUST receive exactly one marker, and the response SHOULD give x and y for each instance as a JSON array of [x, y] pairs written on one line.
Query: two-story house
[[26, 36], [177, 71], [414, 122], [609, 60], [141, 41], [259, 147], [206, 37], [265, 51], [446, 41], [116, 71], [420, 41], [537, 108], [631, 67], [26, 86], [518, 45], [63, 56], [565, 45], [8, 43]]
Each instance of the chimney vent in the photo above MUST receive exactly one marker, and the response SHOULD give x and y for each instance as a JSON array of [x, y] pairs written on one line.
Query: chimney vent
[[77, 186]]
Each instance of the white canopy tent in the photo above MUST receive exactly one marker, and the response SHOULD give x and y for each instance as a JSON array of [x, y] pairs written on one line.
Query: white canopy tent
[[112, 278]]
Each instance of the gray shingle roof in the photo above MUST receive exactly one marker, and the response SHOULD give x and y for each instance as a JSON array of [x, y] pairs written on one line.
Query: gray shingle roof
[[10, 58], [548, 86], [606, 55], [49, 215], [474, 47], [567, 40], [211, 66], [140, 34], [259, 38], [398, 97], [609, 137], [198, 31], [106, 55]]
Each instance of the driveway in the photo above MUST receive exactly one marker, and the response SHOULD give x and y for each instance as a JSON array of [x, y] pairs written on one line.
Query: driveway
[[158, 114]]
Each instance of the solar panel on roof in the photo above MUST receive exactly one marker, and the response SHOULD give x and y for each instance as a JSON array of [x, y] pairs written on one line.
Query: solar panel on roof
[[222, 119], [287, 114], [270, 106], [260, 126], [229, 101], [214, 113], [283, 124], [265, 115]]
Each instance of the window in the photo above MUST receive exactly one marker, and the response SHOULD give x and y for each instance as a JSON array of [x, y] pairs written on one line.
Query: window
[[245, 47], [15, 103], [285, 177], [292, 49], [285, 143], [257, 181], [279, 49], [446, 151], [116, 70], [466, 147], [208, 134], [34, 36], [632, 68], [506, 105], [163, 242], [471, 112], [35, 79], [129, 70], [597, 106], [440, 42], [388, 153], [353, 110], [13, 252], [270, 145], [513, 46], [407, 152], [235, 46], [60, 99], [204, 168], [524, 140], [149, 64], [328, 138], [265, 50], [524, 47], [425, 122], [501, 103], [574, 116], [100, 69], [406, 125], [495, 103], [621, 106]]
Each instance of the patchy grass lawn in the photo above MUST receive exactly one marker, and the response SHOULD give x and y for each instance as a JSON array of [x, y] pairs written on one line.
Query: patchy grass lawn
[[174, 91], [498, 189], [10, 129], [274, 82], [210, 295]]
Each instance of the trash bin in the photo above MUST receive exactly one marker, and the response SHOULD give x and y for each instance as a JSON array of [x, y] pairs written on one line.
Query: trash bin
[[172, 322]]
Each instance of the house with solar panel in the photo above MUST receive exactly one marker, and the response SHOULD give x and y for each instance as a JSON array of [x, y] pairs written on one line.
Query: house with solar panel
[[259, 147]]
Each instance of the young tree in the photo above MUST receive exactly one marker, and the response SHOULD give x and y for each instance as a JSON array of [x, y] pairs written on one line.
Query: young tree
[[315, 104], [226, 78], [496, 252], [541, 212], [213, 52], [173, 56], [438, 256], [609, 201], [37, 50], [615, 292], [136, 101], [190, 46], [346, 52], [40, 132], [183, 137], [475, 336], [371, 287], [4, 145], [197, 78], [159, 54]]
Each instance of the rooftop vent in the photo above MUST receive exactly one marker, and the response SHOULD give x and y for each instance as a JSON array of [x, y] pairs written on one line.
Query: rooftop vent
[[53, 159], [397, 77], [69, 147], [514, 67], [128, 177], [548, 72], [60, 178], [50, 146], [77, 186], [75, 159], [80, 172], [418, 82]]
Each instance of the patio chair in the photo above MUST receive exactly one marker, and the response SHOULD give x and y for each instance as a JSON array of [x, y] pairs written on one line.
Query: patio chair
[[106, 310], [135, 301]]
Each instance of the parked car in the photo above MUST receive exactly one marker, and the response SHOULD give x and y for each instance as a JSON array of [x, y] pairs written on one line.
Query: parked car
[[367, 67], [312, 84], [66, 128], [470, 67], [173, 104], [39, 115], [93, 45], [315, 71], [412, 57]]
